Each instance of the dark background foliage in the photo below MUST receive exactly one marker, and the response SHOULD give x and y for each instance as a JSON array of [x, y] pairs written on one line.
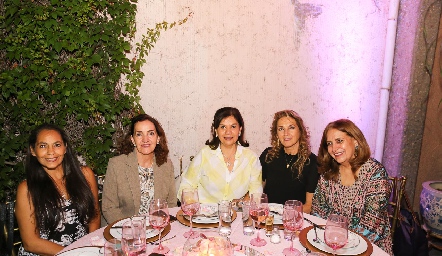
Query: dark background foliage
[[64, 62]]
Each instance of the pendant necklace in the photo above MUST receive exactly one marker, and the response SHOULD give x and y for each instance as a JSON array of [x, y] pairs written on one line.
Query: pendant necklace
[[290, 162], [227, 159]]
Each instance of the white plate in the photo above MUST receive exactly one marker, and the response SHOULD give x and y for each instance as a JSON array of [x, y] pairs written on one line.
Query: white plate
[[116, 232], [208, 210], [276, 210], [355, 245], [207, 214], [82, 251]]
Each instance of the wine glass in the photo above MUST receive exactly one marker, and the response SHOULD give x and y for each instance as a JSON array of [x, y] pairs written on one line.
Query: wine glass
[[159, 218], [190, 206], [259, 210], [336, 232], [292, 218]]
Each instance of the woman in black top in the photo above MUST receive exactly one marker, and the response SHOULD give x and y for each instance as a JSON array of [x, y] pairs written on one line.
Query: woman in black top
[[289, 169]]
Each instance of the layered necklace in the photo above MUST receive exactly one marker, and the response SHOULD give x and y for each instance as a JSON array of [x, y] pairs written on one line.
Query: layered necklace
[[289, 163]]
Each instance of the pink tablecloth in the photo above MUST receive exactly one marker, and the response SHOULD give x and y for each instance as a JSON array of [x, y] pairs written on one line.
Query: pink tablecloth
[[237, 237]]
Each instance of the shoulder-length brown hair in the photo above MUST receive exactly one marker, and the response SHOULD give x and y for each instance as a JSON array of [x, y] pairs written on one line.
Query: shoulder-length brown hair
[[161, 150], [304, 141], [220, 114], [327, 165]]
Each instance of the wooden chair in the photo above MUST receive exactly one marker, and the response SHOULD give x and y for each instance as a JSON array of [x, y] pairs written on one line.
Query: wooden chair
[[397, 185]]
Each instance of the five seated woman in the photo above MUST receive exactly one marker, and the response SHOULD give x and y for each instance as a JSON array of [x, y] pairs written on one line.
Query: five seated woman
[[350, 182]]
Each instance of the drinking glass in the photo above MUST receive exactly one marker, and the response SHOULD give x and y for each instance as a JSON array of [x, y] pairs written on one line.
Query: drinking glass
[[133, 237], [190, 206], [336, 232], [259, 209], [225, 217], [112, 247], [292, 219], [159, 218], [247, 222]]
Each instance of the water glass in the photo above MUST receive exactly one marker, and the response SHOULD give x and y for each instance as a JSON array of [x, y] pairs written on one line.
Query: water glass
[[247, 222], [133, 237], [112, 247], [225, 217]]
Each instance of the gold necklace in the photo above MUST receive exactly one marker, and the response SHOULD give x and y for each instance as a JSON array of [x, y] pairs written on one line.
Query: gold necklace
[[289, 163]]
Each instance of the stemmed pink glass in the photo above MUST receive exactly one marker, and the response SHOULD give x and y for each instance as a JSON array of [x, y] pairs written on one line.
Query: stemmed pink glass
[[292, 218], [190, 206], [159, 218], [259, 210], [336, 232]]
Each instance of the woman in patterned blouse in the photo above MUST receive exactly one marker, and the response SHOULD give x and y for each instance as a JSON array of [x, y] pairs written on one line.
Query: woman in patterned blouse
[[352, 184], [225, 169], [58, 202]]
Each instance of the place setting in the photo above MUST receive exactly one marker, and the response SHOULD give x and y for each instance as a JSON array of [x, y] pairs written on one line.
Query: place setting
[[194, 214], [134, 232], [334, 238], [83, 251]]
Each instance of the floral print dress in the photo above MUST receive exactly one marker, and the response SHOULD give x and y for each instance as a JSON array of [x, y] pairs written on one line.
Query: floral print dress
[[69, 229]]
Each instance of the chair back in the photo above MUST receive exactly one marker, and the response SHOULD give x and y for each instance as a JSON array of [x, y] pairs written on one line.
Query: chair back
[[10, 239], [397, 185]]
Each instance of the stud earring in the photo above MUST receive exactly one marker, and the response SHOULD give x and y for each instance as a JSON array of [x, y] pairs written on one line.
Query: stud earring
[[239, 134]]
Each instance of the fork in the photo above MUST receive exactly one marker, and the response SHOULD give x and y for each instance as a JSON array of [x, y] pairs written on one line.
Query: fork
[[316, 240]]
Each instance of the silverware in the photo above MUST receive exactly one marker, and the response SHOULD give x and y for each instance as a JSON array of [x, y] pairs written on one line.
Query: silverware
[[316, 239], [162, 240]]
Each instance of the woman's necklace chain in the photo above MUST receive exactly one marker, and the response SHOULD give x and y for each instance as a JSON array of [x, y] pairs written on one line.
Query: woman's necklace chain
[[290, 162], [60, 190], [227, 159]]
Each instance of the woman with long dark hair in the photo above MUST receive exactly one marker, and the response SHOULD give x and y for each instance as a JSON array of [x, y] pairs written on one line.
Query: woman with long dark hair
[[142, 172], [58, 202], [225, 169]]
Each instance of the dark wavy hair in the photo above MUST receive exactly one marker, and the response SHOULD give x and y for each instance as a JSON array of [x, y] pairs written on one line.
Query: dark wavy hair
[[42, 189], [304, 142], [220, 114], [327, 165], [161, 150]]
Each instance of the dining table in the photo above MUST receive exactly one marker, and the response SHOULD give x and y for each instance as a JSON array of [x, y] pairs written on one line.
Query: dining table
[[174, 238]]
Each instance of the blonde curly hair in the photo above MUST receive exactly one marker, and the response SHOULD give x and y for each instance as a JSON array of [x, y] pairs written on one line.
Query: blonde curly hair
[[304, 142]]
